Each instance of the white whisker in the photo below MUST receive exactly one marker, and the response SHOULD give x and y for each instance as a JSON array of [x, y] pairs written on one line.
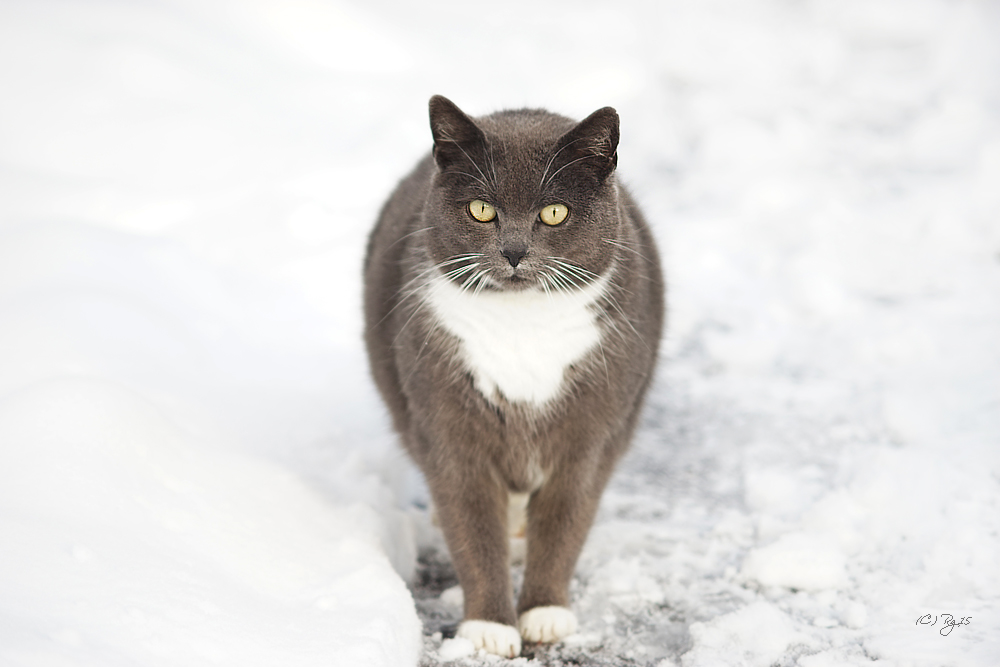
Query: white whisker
[[484, 276], [561, 279], [493, 168], [541, 183], [472, 280], [454, 274], [610, 322], [544, 284], [475, 178], [406, 236], [415, 284], [482, 180], [619, 244], [570, 164], [614, 303], [420, 306], [585, 275]]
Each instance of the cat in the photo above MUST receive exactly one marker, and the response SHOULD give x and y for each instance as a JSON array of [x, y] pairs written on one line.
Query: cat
[[513, 311]]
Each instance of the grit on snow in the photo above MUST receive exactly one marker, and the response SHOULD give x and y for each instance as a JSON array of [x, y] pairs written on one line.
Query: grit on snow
[[196, 470]]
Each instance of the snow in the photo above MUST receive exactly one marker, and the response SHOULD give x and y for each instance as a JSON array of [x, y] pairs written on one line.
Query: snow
[[196, 469], [756, 636], [130, 544], [455, 648]]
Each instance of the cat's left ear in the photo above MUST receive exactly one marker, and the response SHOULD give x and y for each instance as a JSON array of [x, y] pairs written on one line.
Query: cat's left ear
[[593, 144], [456, 136]]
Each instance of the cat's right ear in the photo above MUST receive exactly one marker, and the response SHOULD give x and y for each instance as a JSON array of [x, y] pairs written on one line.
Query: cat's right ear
[[592, 146], [456, 136]]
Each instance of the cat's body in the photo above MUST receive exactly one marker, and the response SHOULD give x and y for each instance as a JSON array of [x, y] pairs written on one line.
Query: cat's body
[[513, 305]]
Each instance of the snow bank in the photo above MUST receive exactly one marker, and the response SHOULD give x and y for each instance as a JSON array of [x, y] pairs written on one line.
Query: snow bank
[[194, 466], [150, 409], [127, 541]]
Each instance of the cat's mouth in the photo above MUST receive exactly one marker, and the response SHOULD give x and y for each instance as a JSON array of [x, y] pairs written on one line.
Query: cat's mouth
[[517, 281]]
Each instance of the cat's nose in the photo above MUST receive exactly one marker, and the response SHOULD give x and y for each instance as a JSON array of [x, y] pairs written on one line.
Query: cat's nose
[[514, 254]]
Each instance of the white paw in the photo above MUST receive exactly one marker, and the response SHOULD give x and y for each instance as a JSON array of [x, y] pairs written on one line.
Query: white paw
[[547, 624], [495, 638]]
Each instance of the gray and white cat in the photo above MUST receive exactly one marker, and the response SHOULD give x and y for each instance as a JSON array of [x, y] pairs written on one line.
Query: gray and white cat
[[513, 307]]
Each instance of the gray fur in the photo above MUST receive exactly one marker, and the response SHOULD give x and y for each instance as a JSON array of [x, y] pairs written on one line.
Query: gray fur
[[474, 450]]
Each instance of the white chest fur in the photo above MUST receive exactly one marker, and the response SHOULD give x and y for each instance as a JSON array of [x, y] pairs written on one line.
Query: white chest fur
[[519, 343]]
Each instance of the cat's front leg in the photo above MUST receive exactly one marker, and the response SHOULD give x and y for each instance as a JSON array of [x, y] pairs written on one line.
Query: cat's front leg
[[559, 516], [472, 509]]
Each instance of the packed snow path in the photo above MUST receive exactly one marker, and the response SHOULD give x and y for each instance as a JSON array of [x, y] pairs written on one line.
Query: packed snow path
[[688, 511], [194, 467]]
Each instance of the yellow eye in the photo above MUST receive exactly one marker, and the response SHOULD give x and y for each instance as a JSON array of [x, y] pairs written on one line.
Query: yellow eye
[[553, 214], [482, 211]]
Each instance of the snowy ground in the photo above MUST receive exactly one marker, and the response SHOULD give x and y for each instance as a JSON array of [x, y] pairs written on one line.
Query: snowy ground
[[195, 469]]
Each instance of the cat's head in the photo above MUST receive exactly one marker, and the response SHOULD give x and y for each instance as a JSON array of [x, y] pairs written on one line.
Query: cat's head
[[522, 199]]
